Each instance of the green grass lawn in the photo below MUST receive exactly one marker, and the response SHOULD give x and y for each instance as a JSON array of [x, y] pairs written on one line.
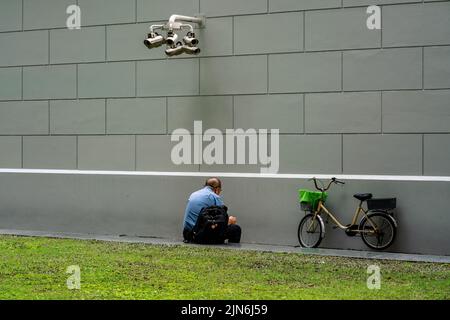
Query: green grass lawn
[[35, 268]]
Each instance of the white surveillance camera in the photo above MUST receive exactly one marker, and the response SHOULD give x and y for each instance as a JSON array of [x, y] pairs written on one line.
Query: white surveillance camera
[[171, 38], [154, 40], [191, 50], [190, 39], [175, 50]]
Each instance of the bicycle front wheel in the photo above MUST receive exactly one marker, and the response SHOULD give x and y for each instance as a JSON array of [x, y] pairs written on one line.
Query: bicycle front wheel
[[310, 231], [378, 230]]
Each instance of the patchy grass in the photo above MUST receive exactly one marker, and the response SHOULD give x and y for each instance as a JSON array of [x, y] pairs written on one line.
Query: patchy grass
[[35, 268]]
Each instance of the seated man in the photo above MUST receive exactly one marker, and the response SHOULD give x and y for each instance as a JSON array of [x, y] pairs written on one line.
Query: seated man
[[203, 198]]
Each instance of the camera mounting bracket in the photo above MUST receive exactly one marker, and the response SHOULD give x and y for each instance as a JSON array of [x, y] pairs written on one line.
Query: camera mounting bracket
[[176, 22]]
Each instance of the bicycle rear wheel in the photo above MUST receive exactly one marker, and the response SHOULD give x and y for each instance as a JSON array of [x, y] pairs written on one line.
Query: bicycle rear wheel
[[378, 230], [310, 231]]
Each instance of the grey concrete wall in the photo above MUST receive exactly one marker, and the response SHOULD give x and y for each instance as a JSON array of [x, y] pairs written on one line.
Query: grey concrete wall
[[267, 209], [347, 100]]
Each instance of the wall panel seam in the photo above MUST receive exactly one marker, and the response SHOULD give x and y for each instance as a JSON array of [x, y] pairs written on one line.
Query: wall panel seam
[[134, 21], [106, 116], [235, 94], [135, 152], [167, 115], [235, 55], [21, 151], [423, 68], [49, 119], [304, 113]]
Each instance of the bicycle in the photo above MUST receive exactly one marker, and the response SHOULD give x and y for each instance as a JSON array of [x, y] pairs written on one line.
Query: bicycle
[[377, 227]]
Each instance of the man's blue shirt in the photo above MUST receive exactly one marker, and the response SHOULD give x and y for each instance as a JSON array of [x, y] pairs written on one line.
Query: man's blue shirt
[[197, 201]]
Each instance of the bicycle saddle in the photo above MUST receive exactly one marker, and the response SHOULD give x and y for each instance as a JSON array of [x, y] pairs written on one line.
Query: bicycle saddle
[[363, 196]]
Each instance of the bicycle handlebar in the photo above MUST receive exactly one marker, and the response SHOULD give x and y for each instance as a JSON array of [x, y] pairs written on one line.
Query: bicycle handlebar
[[333, 180]]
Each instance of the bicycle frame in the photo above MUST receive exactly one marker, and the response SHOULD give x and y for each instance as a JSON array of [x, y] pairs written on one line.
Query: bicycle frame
[[321, 207]]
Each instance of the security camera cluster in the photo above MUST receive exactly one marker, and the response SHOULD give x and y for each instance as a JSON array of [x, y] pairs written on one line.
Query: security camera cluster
[[188, 45]]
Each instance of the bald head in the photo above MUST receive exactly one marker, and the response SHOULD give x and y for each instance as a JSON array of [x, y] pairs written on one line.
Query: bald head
[[214, 183]]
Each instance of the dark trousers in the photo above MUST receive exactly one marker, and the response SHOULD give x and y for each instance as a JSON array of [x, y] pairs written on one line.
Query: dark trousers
[[233, 234]]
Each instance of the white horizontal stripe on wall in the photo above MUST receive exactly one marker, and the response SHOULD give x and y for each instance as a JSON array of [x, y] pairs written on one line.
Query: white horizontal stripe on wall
[[232, 175]]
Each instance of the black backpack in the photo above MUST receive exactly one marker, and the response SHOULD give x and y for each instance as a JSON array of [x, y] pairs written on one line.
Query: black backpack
[[211, 225]]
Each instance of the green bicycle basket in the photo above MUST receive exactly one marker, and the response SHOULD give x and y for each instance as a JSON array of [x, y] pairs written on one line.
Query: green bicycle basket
[[309, 200]]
